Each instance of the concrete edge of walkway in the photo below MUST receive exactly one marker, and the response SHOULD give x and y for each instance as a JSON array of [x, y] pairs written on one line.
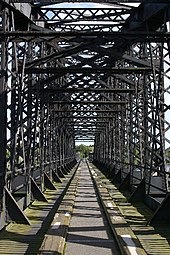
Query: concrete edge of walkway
[[55, 238], [127, 241]]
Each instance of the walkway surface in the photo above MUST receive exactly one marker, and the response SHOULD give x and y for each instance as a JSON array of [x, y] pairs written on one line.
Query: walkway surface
[[73, 221], [20, 239], [88, 231]]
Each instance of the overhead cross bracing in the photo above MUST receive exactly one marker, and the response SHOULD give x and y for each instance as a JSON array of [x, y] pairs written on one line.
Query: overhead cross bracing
[[79, 71]]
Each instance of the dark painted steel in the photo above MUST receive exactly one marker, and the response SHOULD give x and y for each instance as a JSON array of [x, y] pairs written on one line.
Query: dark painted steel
[[60, 73]]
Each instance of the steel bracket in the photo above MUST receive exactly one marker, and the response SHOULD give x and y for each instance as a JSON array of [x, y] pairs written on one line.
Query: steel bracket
[[117, 178], [55, 177], [60, 172], [162, 213], [125, 184], [14, 211], [139, 194], [48, 183], [64, 170], [37, 193]]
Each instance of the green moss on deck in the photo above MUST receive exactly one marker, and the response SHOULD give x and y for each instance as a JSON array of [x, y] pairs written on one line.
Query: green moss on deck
[[19, 239]]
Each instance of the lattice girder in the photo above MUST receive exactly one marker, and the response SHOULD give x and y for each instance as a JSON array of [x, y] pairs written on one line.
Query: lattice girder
[[88, 72]]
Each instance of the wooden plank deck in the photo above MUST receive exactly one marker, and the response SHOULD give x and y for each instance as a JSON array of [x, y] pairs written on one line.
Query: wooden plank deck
[[155, 240], [17, 239]]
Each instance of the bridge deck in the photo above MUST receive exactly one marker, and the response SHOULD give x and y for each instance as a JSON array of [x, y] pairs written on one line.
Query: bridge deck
[[78, 225], [155, 240], [89, 232]]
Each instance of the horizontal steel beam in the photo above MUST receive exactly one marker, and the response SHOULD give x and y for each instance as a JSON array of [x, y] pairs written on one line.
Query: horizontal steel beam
[[88, 127], [48, 2], [87, 90], [86, 132], [86, 70], [86, 111], [85, 126], [88, 136], [86, 117], [84, 140], [90, 102], [82, 127], [111, 35], [97, 133], [89, 122], [89, 130], [85, 135]]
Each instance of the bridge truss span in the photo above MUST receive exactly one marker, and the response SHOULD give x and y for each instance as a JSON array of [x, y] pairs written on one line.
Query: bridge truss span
[[84, 72]]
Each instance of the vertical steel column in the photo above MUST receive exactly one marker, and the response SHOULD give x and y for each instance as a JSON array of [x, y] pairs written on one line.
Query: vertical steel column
[[3, 112]]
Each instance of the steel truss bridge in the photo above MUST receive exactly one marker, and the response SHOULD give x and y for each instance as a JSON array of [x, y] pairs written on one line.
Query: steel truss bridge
[[91, 71]]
